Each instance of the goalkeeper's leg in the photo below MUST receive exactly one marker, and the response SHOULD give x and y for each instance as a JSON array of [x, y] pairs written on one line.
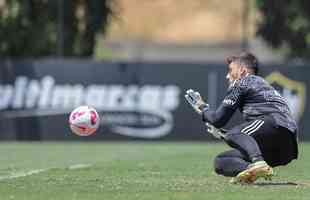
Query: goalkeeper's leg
[[246, 151], [234, 164], [230, 163], [244, 144], [251, 162]]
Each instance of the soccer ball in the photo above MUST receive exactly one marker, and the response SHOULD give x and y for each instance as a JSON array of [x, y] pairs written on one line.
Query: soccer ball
[[84, 121]]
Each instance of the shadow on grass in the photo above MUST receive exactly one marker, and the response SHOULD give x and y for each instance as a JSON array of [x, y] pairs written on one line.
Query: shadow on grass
[[284, 183]]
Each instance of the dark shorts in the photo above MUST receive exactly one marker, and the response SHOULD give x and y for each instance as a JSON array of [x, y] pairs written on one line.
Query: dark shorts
[[277, 144]]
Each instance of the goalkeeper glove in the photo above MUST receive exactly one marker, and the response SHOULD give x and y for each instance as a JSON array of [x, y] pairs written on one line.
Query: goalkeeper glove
[[195, 100], [217, 133]]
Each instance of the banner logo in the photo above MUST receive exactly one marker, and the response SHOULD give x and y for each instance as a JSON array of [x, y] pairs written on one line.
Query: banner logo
[[133, 110], [293, 91]]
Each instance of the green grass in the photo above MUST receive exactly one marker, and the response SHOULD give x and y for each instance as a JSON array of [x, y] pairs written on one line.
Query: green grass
[[137, 171]]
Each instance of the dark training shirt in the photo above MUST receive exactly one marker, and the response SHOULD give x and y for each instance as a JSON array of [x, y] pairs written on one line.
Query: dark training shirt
[[254, 97]]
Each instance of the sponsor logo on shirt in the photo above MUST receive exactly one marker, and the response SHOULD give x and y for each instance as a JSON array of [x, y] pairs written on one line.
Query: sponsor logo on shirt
[[229, 102]]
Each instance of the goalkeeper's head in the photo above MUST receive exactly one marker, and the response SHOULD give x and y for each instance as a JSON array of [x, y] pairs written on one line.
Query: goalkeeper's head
[[245, 59]]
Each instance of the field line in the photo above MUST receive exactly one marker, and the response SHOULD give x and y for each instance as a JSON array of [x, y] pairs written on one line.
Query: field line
[[37, 171], [79, 166], [23, 174]]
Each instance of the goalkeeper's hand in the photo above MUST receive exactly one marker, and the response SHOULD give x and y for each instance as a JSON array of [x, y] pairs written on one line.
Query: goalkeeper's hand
[[195, 100], [217, 133]]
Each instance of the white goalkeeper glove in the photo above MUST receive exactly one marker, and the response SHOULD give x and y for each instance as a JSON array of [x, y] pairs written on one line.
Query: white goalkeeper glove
[[217, 133], [195, 100]]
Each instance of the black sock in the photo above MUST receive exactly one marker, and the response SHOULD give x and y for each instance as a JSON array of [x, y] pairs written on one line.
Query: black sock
[[256, 159]]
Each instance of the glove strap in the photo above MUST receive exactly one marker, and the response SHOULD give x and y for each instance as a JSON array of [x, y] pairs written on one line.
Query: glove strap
[[204, 107]]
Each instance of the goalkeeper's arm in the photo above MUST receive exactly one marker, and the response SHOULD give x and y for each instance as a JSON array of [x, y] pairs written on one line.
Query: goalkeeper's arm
[[219, 117], [216, 118]]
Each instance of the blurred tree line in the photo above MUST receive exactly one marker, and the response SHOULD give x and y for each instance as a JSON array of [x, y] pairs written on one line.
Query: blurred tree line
[[35, 28], [285, 24]]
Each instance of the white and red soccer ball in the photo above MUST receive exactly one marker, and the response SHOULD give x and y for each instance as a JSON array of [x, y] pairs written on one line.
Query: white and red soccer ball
[[84, 121]]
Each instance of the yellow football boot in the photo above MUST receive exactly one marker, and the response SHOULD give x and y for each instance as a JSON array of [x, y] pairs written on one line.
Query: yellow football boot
[[254, 171]]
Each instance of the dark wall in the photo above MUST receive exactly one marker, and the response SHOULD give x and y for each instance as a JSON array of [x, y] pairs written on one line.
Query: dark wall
[[134, 100]]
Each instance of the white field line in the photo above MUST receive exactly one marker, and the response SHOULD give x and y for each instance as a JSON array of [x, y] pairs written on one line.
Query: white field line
[[22, 174], [79, 166], [37, 171]]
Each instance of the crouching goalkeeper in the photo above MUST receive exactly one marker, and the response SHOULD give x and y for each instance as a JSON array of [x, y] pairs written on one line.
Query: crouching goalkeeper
[[268, 136]]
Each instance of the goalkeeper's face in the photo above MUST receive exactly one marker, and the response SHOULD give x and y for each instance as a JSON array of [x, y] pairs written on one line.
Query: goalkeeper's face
[[235, 72]]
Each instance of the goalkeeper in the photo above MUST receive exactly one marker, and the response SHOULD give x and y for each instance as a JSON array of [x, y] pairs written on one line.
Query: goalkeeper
[[268, 136]]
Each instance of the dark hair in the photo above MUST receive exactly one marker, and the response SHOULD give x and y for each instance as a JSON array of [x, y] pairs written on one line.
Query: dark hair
[[245, 58]]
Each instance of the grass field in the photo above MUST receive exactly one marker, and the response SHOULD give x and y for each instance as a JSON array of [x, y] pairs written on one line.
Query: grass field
[[152, 171]]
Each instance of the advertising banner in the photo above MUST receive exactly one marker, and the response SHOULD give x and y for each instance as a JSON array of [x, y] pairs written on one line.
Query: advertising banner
[[135, 100]]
